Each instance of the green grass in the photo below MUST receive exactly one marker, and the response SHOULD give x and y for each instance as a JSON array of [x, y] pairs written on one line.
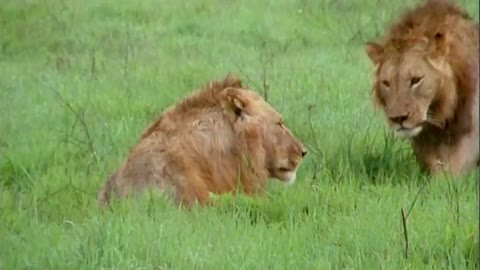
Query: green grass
[[80, 81]]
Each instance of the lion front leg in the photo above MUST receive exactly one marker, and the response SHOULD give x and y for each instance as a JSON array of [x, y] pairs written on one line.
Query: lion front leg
[[191, 190], [462, 156], [453, 159], [427, 158]]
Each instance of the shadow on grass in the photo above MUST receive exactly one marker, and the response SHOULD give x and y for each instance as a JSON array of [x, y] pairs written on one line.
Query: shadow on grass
[[370, 159]]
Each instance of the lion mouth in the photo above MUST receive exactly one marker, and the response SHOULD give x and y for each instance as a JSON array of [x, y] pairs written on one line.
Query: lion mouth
[[284, 170]]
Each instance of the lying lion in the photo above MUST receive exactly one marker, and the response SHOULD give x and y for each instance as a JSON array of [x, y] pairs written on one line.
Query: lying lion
[[426, 83], [223, 138]]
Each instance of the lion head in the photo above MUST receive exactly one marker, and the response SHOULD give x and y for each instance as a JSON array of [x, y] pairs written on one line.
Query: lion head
[[412, 88], [249, 112], [423, 68]]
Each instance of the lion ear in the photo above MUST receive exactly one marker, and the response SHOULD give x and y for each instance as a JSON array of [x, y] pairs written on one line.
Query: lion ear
[[374, 51], [234, 101]]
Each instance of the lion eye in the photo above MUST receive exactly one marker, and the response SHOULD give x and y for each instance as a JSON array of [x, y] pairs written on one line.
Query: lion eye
[[386, 83], [415, 80]]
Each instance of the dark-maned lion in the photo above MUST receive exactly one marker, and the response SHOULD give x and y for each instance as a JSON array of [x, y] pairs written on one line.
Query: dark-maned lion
[[220, 139], [426, 83]]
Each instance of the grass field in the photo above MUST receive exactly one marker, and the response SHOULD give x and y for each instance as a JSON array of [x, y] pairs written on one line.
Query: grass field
[[80, 81]]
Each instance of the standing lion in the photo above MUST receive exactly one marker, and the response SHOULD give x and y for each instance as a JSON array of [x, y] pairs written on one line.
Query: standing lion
[[222, 138], [426, 83]]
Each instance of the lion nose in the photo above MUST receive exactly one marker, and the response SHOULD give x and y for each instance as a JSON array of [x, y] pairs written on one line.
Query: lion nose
[[399, 119], [304, 152]]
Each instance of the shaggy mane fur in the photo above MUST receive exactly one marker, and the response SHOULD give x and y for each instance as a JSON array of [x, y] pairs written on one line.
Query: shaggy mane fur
[[207, 97], [430, 19]]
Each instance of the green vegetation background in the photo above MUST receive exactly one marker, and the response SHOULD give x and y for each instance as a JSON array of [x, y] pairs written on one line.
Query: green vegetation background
[[80, 80]]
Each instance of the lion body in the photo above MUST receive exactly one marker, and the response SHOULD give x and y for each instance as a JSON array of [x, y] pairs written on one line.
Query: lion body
[[426, 82], [201, 146]]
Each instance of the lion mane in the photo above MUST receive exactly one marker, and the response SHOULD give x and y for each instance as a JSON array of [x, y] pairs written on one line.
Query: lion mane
[[206, 98]]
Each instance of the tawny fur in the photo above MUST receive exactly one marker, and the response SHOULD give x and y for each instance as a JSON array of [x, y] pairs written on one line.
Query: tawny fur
[[223, 138], [444, 37]]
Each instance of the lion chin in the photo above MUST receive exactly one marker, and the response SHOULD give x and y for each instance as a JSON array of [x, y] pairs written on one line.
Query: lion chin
[[407, 133], [288, 178]]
